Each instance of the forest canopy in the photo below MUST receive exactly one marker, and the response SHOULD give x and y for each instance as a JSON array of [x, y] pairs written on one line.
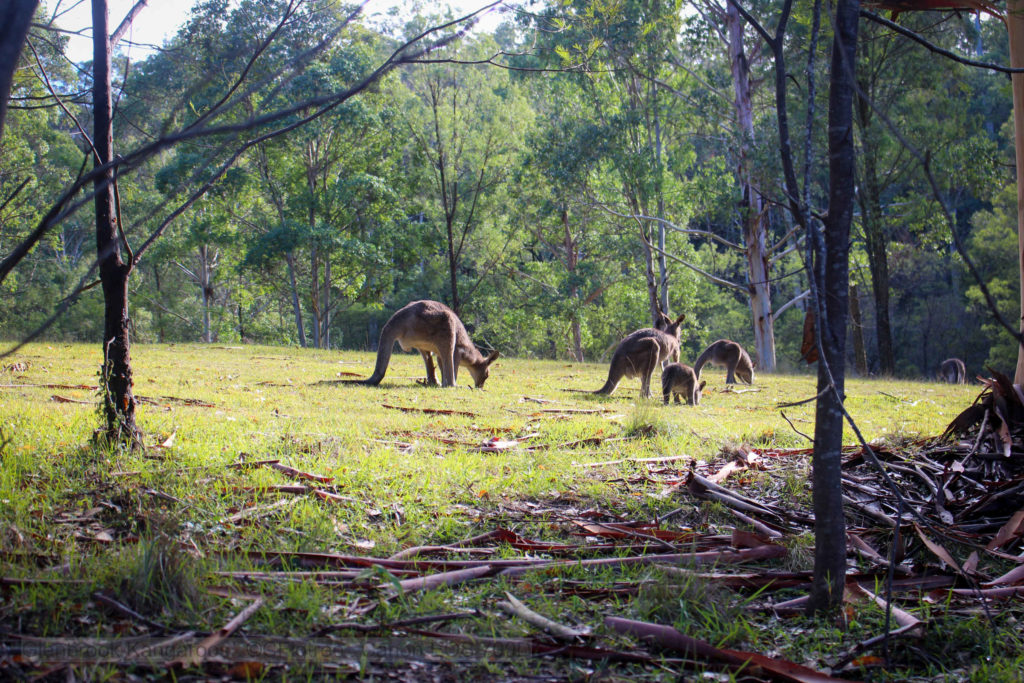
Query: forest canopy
[[551, 186]]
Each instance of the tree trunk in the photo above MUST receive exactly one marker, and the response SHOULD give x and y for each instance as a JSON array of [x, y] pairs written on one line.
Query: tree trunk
[[118, 401], [206, 284], [314, 295], [14, 23], [1015, 28], [326, 305], [875, 239], [755, 229], [571, 262], [833, 291], [296, 306], [860, 356]]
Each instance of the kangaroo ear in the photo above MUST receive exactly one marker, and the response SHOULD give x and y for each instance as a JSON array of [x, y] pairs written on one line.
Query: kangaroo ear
[[703, 382], [680, 319], [663, 321], [492, 356]]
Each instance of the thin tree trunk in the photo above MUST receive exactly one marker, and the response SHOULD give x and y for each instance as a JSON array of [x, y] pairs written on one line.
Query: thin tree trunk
[[571, 262], [1015, 28], [755, 218], [833, 291], [314, 295], [860, 356], [15, 18], [326, 306], [875, 239], [118, 400], [296, 306]]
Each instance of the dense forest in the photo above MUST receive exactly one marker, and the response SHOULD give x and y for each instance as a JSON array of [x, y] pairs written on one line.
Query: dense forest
[[555, 182]]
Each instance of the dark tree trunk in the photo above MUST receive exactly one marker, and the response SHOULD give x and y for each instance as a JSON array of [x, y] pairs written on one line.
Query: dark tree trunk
[[14, 22], [860, 356], [832, 264], [875, 239], [118, 401], [296, 306]]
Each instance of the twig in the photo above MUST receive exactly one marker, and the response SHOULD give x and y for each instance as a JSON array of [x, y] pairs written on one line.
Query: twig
[[514, 606]]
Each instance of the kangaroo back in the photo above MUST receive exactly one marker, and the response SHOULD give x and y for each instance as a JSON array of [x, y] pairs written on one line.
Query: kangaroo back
[[703, 358]]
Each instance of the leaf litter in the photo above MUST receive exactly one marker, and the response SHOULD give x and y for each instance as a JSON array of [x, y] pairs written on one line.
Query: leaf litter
[[964, 491]]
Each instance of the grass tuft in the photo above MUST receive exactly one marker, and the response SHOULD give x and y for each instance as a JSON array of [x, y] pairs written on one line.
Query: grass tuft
[[158, 576]]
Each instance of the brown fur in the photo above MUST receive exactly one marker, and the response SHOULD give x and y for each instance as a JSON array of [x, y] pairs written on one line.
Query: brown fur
[[430, 327], [730, 355], [678, 379], [641, 351], [952, 370]]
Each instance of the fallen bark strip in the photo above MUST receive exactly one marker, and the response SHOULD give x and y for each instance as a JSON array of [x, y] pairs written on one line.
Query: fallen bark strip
[[750, 663], [202, 650], [517, 608], [429, 411], [257, 511], [400, 625], [424, 549], [667, 458], [432, 581], [765, 552], [521, 646]]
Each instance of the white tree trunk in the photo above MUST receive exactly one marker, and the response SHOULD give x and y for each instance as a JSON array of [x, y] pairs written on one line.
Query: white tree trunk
[[754, 222]]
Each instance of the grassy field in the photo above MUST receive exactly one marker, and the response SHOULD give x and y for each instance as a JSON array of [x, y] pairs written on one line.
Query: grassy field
[[168, 531]]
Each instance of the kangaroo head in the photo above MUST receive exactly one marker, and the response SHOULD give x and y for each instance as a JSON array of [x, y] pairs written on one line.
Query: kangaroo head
[[698, 392], [745, 373], [481, 371], [672, 327]]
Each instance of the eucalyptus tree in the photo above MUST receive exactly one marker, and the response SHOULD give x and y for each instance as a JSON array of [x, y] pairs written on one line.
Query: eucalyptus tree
[[573, 252], [232, 131], [465, 124]]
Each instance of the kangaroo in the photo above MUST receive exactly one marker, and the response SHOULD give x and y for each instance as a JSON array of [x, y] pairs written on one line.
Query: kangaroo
[[430, 327], [952, 370], [680, 380], [639, 353], [730, 355]]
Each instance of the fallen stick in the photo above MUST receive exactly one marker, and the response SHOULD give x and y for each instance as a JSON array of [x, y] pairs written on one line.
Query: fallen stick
[[432, 581], [764, 552], [514, 606], [202, 650]]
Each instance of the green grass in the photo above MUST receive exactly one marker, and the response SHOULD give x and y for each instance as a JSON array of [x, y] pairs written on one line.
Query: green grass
[[155, 528]]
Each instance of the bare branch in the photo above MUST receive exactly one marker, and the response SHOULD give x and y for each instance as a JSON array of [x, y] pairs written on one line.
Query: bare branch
[[935, 48], [126, 23], [799, 297]]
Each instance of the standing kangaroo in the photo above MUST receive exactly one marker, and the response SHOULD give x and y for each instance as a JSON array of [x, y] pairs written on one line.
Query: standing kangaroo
[[730, 355], [642, 350], [680, 380], [430, 327], [952, 370]]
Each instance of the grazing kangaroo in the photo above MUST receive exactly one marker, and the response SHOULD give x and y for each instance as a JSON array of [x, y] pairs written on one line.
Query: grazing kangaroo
[[952, 370], [640, 352], [730, 355], [680, 380], [430, 327]]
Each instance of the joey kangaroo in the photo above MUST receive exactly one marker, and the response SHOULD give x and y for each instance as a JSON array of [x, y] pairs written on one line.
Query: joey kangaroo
[[730, 355], [680, 380], [642, 350], [952, 370], [430, 327]]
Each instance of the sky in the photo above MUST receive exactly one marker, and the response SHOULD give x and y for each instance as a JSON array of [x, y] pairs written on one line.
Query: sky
[[160, 19]]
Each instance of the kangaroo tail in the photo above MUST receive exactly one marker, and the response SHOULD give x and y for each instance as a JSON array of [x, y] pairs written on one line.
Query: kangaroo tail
[[701, 360], [614, 376], [384, 347]]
